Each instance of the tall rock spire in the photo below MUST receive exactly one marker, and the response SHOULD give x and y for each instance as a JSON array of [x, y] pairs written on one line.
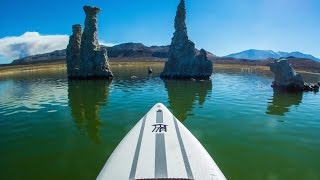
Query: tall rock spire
[[90, 32], [183, 62], [93, 60], [73, 51], [180, 19]]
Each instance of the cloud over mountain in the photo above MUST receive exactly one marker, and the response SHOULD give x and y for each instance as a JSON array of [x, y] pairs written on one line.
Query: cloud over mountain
[[30, 43]]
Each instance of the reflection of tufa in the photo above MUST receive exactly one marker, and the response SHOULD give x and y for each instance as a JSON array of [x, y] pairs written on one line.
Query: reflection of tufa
[[159, 128], [86, 99]]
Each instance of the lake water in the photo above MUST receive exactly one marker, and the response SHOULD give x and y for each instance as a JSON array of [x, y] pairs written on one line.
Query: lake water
[[54, 129]]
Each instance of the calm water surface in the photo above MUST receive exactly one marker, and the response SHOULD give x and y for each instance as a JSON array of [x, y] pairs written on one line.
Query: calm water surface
[[52, 128]]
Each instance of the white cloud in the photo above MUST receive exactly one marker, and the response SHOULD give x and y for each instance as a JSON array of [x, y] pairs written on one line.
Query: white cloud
[[101, 42], [30, 43]]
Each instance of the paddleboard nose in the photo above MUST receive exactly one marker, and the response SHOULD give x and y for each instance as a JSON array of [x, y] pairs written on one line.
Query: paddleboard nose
[[160, 147]]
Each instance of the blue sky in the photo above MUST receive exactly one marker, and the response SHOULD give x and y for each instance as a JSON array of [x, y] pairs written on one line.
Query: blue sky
[[220, 26]]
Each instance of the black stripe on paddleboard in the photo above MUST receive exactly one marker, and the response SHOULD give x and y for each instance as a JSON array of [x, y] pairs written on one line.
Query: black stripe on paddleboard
[[183, 150], [161, 159], [137, 152]]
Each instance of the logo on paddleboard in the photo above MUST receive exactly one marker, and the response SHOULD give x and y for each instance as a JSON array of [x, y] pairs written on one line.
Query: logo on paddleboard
[[158, 128]]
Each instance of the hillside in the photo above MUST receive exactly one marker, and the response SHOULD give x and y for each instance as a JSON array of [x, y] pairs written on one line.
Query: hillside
[[126, 51], [134, 52]]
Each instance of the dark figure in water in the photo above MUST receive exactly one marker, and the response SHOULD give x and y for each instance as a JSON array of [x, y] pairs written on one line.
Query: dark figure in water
[[149, 70]]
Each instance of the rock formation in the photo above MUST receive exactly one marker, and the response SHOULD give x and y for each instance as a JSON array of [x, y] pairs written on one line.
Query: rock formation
[[183, 63], [286, 77], [73, 51], [93, 62]]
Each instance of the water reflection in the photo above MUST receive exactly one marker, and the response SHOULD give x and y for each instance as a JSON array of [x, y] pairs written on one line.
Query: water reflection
[[85, 101], [282, 102], [140, 71], [182, 95]]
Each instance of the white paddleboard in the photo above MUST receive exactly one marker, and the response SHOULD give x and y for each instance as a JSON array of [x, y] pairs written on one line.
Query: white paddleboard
[[160, 147]]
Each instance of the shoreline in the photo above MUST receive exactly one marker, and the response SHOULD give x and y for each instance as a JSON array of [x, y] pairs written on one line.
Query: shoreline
[[9, 69], [257, 67]]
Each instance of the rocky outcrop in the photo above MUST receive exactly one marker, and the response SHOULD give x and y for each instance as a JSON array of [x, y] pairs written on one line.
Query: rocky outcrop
[[92, 62], [183, 62], [286, 77], [73, 51], [311, 87]]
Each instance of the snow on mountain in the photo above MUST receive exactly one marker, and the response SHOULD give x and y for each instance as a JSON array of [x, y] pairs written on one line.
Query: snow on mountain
[[253, 54]]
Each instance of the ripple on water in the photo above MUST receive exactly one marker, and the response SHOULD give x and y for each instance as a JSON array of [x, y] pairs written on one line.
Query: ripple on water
[[233, 113], [33, 96]]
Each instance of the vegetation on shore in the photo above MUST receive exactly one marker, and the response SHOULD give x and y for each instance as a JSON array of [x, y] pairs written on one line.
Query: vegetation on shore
[[61, 65], [299, 64], [58, 65]]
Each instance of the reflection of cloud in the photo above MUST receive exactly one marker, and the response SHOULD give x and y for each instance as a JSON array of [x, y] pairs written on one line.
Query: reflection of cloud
[[31, 43], [26, 96]]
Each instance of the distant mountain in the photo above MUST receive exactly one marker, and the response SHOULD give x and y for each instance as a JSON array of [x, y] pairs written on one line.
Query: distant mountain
[[298, 55], [55, 55], [253, 54], [127, 51], [137, 50], [140, 52]]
